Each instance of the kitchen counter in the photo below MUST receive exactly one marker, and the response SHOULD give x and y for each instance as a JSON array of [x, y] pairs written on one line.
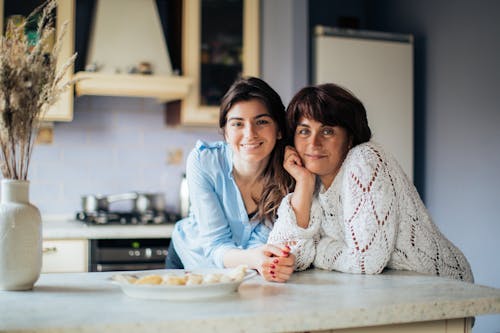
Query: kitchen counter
[[61, 227], [311, 300]]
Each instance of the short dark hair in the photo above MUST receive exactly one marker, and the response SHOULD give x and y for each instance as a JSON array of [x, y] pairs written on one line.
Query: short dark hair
[[331, 105]]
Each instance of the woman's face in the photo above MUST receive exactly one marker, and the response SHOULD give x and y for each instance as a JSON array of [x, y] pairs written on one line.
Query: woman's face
[[322, 148], [251, 132]]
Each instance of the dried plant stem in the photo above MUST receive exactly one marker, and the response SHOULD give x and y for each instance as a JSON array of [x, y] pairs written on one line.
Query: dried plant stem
[[29, 84]]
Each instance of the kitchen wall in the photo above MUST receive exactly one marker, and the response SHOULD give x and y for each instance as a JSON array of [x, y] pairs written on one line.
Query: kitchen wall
[[284, 23], [457, 116], [113, 145]]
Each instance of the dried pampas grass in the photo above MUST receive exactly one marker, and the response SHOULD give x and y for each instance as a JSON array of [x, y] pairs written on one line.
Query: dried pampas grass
[[29, 85]]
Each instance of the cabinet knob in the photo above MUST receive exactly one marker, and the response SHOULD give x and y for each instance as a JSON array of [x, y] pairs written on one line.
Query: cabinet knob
[[51, 249]]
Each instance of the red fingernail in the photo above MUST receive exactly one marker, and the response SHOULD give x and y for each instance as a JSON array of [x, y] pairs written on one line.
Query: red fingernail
[[271, 272], [287, 247], [272, 266], [285, 254], [276, 261], [274, 276]]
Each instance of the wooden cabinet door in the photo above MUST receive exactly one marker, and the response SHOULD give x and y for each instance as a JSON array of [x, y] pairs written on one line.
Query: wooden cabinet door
[[64, 256], [220, 43], [63, 109]]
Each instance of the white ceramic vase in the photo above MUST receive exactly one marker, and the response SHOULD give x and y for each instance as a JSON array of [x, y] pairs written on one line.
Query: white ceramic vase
[[20, 237]]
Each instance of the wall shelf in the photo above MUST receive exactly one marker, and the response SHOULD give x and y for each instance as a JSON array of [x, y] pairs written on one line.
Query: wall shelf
[[163, 88]]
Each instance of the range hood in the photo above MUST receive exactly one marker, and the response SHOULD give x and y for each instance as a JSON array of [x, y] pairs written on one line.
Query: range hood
[[161, 87], [126, 33]]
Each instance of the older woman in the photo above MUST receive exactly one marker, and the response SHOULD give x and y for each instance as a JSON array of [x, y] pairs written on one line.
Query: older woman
[[353, 208]]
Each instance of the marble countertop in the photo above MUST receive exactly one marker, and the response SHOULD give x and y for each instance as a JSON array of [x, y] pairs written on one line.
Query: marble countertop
[[62, 227], [311, 300]]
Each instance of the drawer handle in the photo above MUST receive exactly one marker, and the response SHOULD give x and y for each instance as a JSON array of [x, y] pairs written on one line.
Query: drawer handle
[[52, 249]]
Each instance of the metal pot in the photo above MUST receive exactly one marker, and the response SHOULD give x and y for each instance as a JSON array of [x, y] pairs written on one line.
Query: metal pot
[[142, 202], [93, 203], [149, 202]]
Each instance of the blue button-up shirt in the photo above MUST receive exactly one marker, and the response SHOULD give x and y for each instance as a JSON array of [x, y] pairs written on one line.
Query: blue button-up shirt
[[218, 220]]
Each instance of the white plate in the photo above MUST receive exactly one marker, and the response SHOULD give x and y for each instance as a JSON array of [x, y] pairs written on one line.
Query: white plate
[[173, 292]]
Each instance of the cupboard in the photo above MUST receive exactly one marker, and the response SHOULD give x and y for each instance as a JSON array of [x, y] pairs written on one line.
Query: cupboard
[[220, 42], [63, 109], [65, 255]]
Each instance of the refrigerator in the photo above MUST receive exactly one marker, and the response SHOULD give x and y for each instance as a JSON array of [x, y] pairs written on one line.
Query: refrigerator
[[378, 68]]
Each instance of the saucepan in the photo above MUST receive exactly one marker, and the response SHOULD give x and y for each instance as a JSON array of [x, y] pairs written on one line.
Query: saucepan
[[149, 202], [94, 203], [142, 202]]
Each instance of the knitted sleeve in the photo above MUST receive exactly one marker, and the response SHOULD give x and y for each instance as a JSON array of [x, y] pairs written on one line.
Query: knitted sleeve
[[301, 241], [369, 217]]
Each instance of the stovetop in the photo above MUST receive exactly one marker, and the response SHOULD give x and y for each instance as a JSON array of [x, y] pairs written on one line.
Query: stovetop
[[127, 218]]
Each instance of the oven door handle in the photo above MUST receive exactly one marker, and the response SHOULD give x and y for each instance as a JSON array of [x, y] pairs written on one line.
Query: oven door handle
[[128, 267]]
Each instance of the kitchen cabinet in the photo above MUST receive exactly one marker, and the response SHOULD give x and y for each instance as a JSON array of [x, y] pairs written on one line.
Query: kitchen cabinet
[[161, 87], [63, 109], [220, 42], [64, 256], [73, 246]]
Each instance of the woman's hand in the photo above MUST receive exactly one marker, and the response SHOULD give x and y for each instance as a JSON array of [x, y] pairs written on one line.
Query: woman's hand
[[294, 166], [304, 188], [274, 263]]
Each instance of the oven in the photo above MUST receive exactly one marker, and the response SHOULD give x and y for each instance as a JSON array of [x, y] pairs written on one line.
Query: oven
[[127, 254], [126, 209]]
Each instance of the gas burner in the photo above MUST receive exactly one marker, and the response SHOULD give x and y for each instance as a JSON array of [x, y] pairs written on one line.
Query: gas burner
[[127, 218]]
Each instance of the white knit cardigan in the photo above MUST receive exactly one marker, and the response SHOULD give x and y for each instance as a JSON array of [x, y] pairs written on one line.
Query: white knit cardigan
[[371, 217]]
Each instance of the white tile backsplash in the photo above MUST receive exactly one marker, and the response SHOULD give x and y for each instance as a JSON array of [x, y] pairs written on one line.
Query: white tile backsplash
[[113, 145]]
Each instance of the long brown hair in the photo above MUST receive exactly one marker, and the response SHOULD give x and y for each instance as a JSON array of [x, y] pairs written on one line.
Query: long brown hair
[[276, 181]]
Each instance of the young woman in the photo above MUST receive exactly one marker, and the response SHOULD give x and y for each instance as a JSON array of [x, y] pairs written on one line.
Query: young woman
[[353, 208], [235, 188]]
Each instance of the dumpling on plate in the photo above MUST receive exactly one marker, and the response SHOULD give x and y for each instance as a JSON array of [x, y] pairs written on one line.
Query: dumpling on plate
[[174, 280], [192, 279], [212, 278], [149, 279], [124, 278], [238, 273]]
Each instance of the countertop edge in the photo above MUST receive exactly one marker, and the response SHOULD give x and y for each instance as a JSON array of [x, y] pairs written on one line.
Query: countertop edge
[[67, 228]]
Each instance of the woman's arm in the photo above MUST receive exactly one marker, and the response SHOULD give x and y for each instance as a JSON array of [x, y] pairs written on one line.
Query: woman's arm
[[293, 226], [273, 262], [214, 232], [302, 241], [370, 219], [305, 182]]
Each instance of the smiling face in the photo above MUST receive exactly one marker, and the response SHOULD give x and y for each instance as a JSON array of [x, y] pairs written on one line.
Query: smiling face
[[322, 148], [251, 132]]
